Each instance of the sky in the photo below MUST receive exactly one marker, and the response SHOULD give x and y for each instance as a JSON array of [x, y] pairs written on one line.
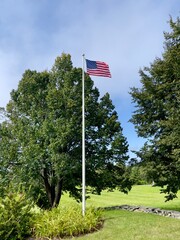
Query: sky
[[126, 34]]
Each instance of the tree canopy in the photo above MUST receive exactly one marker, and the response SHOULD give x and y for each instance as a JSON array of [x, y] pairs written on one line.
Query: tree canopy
[[157, 114], [41, 137]]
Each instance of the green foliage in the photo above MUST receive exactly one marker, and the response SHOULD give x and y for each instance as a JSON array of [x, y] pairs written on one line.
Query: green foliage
[[16, 216], [66, 221], [138, 175], [158, 112], [41, 140]]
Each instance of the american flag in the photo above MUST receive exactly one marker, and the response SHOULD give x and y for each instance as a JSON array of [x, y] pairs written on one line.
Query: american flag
[[97, 68]]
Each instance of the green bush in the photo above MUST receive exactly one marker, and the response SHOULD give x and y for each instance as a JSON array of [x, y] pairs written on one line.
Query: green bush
[[66, 221], [15, 217]]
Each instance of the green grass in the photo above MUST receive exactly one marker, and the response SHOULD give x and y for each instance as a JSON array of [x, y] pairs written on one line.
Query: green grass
[[144, 195], [126, 225], [136, 226]]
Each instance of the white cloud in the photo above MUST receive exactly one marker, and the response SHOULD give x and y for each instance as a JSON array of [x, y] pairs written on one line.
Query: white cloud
[[125, 34]]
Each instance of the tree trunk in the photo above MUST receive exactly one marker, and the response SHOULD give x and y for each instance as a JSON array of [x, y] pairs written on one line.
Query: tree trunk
[[50, 189], [58, 193]]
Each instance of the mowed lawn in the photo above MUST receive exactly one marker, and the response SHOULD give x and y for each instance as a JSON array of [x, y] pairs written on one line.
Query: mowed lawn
[[125, 225]]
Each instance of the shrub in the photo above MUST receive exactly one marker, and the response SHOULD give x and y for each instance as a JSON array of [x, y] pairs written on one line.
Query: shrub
[[15, 217], [66, 221]]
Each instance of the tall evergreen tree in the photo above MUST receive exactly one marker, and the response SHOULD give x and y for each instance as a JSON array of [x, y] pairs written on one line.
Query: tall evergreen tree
[[158, 112]]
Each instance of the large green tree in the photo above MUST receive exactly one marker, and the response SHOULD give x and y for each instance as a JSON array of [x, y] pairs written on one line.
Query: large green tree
[[157, 114], [44, 131]]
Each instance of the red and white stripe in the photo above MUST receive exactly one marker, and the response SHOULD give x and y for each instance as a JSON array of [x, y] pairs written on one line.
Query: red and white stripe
[[102, 70]]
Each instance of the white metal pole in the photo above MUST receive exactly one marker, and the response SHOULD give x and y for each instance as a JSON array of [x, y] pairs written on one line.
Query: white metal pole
[[83, 144]]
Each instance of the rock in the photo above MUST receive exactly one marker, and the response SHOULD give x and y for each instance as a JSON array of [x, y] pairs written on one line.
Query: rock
[[158, 211]]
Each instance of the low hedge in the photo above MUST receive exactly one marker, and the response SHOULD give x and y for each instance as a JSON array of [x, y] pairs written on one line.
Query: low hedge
[[66, 221]]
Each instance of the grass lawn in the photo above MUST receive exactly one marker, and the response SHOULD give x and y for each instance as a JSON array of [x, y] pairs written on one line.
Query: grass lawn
[[120, 224], [136, 226], [144, 195]]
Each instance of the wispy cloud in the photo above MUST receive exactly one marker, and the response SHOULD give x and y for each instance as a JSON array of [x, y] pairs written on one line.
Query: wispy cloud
[[126, 34]]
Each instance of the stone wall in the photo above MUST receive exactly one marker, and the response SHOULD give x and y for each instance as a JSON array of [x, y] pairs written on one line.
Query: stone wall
[[166, 213]]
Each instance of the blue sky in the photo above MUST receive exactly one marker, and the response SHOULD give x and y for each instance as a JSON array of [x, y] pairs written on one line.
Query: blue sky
[[127, 34]]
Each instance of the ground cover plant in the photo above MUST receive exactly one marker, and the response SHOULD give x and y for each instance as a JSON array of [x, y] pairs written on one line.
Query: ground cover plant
[[66, 221]]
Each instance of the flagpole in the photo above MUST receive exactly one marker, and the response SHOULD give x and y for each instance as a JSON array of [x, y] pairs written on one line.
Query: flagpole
[[83, 143]]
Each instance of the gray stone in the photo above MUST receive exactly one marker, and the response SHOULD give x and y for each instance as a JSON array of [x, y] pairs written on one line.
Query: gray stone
[[158, 211]]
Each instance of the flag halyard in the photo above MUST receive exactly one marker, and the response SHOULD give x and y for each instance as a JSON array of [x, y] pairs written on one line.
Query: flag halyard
[[97, 68]]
